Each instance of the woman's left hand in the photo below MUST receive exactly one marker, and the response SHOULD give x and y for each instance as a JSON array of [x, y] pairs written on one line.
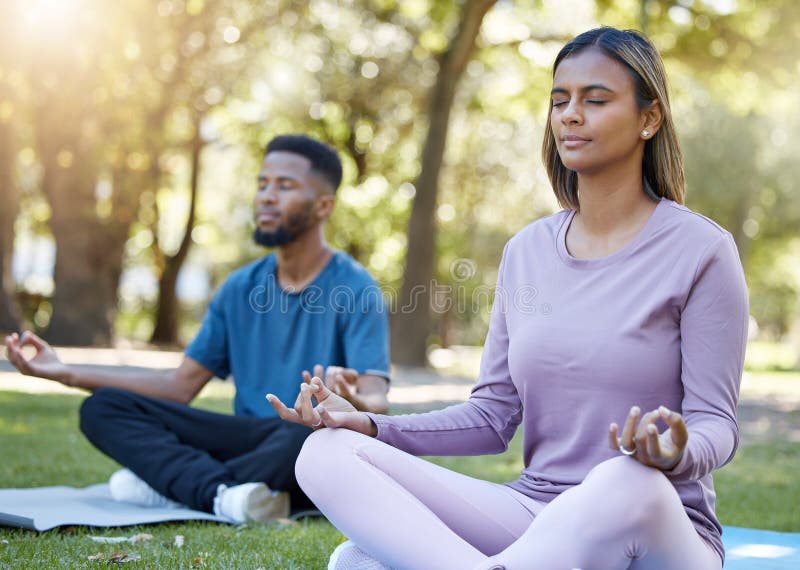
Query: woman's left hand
[[641, 440]]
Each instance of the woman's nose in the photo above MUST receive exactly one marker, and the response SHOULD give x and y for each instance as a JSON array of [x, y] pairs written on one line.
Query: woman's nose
[[571, 114]]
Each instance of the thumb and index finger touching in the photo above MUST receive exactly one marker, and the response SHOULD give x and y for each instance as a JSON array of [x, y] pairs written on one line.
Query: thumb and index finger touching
[[27, 338], [318, 388], [678, 431]]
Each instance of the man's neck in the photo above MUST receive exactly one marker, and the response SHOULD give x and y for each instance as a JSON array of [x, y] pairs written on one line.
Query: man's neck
[[300, 261]]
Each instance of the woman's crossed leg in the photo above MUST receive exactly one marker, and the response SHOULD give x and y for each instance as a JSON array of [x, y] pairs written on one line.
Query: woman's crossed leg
[[409, 513]]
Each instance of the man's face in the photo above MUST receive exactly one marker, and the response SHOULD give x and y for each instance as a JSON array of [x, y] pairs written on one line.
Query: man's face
[[285, 201]]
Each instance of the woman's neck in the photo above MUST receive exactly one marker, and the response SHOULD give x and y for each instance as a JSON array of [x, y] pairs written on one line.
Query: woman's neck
[[611, 205], [611, 213]]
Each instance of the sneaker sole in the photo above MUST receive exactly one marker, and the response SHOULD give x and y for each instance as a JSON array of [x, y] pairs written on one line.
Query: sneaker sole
[[264, 506]]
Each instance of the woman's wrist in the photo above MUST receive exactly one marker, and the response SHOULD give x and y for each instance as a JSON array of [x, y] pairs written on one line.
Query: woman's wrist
[[372, 430]]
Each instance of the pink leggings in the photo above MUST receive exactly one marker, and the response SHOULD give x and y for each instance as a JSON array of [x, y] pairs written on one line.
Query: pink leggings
[[409, 513]]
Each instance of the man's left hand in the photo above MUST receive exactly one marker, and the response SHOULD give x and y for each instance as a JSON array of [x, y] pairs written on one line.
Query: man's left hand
[[342, 381]]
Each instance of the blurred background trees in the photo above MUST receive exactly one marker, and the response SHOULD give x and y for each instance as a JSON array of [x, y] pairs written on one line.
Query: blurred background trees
[[131, 134]]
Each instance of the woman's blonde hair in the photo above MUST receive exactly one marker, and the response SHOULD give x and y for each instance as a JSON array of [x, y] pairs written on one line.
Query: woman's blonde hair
[[662, 163]]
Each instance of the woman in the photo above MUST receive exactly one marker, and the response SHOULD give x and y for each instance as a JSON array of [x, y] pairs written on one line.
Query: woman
[[640, 304]]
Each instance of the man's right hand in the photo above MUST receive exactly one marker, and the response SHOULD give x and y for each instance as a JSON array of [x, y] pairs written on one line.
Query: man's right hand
[[332, 410], [44, 364]]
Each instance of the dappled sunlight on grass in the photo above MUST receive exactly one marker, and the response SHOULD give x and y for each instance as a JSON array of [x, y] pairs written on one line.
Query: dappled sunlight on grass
[[499, 468], [14, 428], [778, 385], [761, 356]]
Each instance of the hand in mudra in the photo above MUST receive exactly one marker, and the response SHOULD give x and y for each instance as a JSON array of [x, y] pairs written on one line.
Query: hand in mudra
[[331, 410], [640, 437], [342, 381], [44, 364]]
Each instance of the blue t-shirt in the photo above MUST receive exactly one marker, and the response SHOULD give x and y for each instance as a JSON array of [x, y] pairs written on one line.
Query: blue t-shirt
[[265, 337]]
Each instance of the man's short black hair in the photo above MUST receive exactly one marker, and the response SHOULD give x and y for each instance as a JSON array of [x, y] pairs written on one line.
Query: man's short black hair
[[324, 159]]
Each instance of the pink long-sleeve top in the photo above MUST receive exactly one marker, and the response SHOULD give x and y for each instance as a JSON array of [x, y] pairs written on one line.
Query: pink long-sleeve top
[[574, 343]]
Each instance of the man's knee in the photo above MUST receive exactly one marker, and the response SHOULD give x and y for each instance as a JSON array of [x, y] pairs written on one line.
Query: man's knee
[[96, 407], [288, 439]]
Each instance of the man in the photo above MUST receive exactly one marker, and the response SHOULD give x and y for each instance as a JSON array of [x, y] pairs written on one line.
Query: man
[[304, 303]]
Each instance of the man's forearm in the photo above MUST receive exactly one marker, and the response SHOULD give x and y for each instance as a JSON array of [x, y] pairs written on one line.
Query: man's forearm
[[373, 403], [153, 383], [370, 394]]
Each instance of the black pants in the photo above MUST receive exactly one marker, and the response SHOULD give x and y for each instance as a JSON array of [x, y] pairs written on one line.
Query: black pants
[[185, 453]]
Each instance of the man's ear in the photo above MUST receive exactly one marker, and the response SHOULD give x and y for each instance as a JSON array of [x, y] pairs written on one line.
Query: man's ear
[[652, 117], [324, 205]]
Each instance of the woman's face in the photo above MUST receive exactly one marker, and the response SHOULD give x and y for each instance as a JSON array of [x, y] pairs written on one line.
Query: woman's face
[[596, 122]]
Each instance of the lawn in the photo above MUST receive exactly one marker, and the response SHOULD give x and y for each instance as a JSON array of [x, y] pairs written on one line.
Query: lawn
[[41, 445]]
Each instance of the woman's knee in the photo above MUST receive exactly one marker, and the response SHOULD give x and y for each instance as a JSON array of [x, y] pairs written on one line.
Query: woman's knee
[[622, 468], [322, 452], [630, 488]]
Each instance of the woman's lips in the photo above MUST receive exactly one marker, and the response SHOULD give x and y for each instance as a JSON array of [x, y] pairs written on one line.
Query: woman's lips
[[573, 141]]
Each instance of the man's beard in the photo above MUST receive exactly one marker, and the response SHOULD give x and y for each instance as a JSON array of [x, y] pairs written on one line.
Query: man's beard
[[296, 226]]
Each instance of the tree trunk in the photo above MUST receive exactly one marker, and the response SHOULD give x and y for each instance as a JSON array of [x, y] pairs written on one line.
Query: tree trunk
[[166, 329], [88, 249], [9, 312], [9, 200], [411, 322]]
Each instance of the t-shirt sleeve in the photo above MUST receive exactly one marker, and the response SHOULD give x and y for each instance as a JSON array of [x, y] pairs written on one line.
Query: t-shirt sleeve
[[713, 327], [366, 334], [482, 425], [210, 346]]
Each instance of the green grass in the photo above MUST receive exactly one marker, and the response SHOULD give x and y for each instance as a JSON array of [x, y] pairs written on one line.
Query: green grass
[[206, 545], [760, 487], [41, 445]]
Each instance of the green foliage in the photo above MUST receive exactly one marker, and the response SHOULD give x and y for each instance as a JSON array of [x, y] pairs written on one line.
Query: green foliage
[[132, 91]]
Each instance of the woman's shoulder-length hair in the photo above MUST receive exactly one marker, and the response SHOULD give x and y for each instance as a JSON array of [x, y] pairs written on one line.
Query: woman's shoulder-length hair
[[662, 163]]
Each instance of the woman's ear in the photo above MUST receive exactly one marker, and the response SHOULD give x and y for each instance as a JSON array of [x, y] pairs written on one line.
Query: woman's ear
[[652, 118]]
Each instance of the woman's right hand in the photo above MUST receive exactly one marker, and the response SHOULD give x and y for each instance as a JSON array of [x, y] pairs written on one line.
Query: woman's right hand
[[332, 410]]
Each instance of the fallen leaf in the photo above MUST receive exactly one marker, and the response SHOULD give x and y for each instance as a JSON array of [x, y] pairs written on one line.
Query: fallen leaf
[[109, 539], [135, 539], [282, 523], [123, 557], [141, 537], [97, 556]]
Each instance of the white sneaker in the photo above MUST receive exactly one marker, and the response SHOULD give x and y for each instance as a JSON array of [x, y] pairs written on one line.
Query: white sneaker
[[126, 487], [251, 502], [348, 556]]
